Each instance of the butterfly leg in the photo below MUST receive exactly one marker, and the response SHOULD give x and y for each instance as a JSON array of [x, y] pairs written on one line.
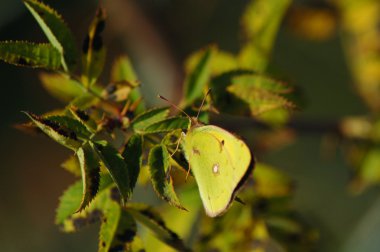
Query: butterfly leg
[[188, 172], [171, 156]]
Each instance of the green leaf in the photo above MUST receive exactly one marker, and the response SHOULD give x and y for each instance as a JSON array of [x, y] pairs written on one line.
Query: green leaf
[[132, 154], [60, 134], [116, 166], [369, 171], [259, 100], [261, 81], [243, 92], [94, 53], [69, 202], [84, 119], [261, 22], [122, 70], [159, 165], [270, 182], [152, 220], [220, 61], [28, 54], [144, 120], [90, 169], [71, 199], [119, 230], [56, 31], [197, 80], [70, 124], [61, 86], [167, 125], [72, 165]]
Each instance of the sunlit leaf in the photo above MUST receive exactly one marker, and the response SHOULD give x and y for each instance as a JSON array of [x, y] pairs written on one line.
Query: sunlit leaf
[[72, 165], [152, 220], [159, 165], [244, 92], [132, 154], [56, 31], [370, 168], [118, 230], [258, 99], [61, 86], [90, 169], [219, 62], [28, 54], [58, 133], [167, 125], [260, 23], [197, 80], [71, 200], [144, 120], [117, 167], [93, 50]]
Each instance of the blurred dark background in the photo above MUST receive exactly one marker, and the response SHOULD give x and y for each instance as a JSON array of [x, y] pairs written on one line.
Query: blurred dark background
[[158, 35]]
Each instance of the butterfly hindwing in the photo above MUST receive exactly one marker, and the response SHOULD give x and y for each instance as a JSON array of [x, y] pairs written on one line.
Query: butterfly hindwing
[[219, 161]]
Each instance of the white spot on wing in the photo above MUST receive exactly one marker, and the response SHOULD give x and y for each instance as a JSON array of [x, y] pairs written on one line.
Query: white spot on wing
[[215, 168]]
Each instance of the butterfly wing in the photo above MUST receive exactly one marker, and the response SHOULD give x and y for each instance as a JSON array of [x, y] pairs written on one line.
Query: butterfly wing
[[219, 162]]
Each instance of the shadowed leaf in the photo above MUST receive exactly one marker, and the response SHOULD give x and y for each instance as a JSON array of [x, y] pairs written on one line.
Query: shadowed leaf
[[159, 165], [116, 166], [28, 54], [56, 31], [132, 154]]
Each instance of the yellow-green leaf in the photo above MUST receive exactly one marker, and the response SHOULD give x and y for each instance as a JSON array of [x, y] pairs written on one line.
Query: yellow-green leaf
[[56, 31], [61, 86], [198, 78], [21, 53], [58, 133], [94, 52], [159, 167]]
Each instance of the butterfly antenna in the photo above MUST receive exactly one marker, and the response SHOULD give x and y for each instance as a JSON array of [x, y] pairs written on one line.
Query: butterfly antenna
[[175, 106], [203, 102]]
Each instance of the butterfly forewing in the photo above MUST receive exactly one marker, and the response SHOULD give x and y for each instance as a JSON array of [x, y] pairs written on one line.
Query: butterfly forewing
[[219, 161]]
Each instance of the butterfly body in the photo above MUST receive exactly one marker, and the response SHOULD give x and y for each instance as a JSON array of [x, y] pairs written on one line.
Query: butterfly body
[[219, 162]]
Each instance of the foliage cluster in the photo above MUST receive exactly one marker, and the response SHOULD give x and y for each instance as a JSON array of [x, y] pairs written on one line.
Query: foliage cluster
[[119, 144]]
